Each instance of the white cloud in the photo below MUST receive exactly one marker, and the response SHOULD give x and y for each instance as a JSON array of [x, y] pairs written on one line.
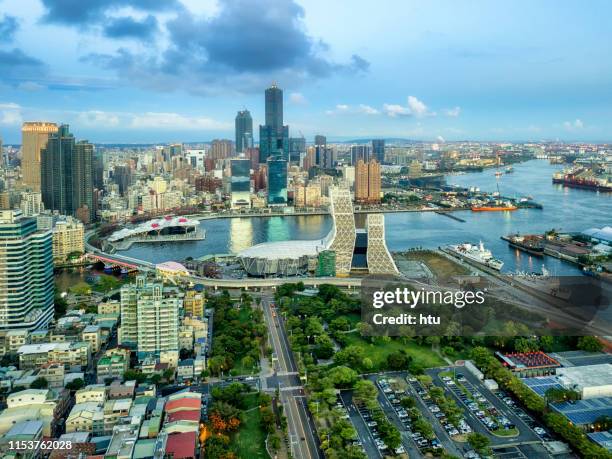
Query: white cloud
[[452, 112], [157, 120], [417, 107], [95, 118], [440, 139], [395, 110], [10, 114], [297, 98], [414, 107], [573, 125], [361, 109]]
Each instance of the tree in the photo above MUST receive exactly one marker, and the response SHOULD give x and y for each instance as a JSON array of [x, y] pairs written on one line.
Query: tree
[[589, 344], [479, 442], [558, 394], [408, 402], [133, 375], [398, 360], [364, 391], [40, 383], [75, 384], [342, 377]]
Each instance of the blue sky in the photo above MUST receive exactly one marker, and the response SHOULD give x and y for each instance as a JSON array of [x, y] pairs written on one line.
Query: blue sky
[[178, 70]]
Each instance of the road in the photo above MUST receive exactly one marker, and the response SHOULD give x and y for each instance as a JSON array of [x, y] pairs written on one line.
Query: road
[[304, 443]]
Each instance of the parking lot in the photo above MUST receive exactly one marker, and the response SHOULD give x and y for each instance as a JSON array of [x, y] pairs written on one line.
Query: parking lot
[[366, 440]]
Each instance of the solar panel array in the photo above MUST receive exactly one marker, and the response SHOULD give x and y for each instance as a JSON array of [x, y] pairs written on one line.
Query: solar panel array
[[585, 411], [541, 384]]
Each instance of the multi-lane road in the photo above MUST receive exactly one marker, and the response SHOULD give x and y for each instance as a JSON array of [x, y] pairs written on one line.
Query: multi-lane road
[[302, 437]]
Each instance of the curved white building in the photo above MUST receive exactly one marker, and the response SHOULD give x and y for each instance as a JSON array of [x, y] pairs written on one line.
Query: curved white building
[[290, 258], [165, 228]]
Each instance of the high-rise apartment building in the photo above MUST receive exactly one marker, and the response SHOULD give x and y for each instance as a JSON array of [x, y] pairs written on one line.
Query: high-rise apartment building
[[360, 152], [67, 175], [273, 136], [68, 238], [244, 131], [149, 317], [320, 144], [378, 150], [82, 181], [193, 303], [240, 183], [277, 181], [26, 273], [297, 149], [221, 149], [367, 182], [31, 203], [34, 137]]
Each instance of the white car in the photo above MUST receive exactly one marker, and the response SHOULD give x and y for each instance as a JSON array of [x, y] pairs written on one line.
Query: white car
[[400, 450]]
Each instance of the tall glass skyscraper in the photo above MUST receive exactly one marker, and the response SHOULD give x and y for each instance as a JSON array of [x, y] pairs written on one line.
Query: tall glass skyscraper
[[26, 273], [240, 182], [277, 181], [273, 136], [378, 150], [244, 131], [297, 149]]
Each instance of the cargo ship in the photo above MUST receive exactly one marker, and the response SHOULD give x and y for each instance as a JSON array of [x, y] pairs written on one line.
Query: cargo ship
[[580, 178], [478, 254], [495, 206], [531, 244]]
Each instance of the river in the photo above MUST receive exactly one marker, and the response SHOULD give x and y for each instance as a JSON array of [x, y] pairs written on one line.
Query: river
[[565, 209]]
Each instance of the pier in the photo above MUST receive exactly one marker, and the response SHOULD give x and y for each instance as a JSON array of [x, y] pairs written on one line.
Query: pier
[[449, 215]]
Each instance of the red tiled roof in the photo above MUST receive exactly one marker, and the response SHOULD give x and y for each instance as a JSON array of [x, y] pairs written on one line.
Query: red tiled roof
[[186, 415], [183, 404], [181, 445]]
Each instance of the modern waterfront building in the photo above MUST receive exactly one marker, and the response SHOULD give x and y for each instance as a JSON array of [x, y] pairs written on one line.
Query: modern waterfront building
[[68, 237], [244, 131], [273, 136], [343, 233], [34, 137], [277, 181], [240, 183], [26, 273], [378, 150], [378, 257], [331, 255], [367, 181], [149, 317]]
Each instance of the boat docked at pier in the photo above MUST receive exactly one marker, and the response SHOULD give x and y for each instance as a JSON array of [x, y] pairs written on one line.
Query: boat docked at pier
[[531, 244], [478, 254]]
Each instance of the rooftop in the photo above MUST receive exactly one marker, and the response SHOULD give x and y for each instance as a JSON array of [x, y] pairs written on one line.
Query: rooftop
[[25, 428], [181, 445], [583, 412], [285, 249], [523, 360], [586, 376]]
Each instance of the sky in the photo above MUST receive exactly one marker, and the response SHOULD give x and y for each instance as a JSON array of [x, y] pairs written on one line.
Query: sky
[[150, 71]]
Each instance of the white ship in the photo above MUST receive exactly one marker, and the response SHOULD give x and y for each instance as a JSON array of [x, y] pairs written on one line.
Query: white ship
[[478, 254]]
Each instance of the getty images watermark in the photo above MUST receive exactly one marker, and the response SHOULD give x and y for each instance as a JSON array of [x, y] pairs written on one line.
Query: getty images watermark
[[473, 305]]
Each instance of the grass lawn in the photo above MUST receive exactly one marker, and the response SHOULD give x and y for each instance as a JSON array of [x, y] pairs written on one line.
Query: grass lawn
[[439, 265], [249, 440], [506, 432], [378, 352]]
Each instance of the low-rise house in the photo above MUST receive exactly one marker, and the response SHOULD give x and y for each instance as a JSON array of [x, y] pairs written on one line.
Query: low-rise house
[[86, 417], [111, 367], [26, 431], [15, 339], [46, 405], [69, 354], [91, 334], [115, 410], [184, 371], [93, 393], [118, 390]]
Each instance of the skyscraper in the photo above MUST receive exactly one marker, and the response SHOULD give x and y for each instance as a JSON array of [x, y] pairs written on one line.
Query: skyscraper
[[273, 136], [378, 150], [379, 259], [244, 131], [240, 182], [360, 152], [67, 173], [34, 137], [320, 144], [277, 181], [149, 317], [274, 106], [367, 181], [297, 149], [343, 230], [26, 273], [56, 171], [82, 181]]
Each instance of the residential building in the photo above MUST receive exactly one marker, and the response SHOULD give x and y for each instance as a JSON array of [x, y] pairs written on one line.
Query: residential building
[[360, 152], [111, 367], [68, 354], [34, 138], [367, 181], [86, 417], [193, 303], [92, 334], [378, 150], [31, 203], [68, 238], [26, 295], [149, 317], [221, 149], [95, 393], [297, 150]]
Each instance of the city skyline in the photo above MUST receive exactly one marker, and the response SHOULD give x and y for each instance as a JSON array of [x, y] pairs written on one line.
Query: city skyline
[[123, 75]]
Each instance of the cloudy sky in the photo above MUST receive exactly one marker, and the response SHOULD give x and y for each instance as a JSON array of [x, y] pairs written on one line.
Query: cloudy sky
[[178, 70]]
